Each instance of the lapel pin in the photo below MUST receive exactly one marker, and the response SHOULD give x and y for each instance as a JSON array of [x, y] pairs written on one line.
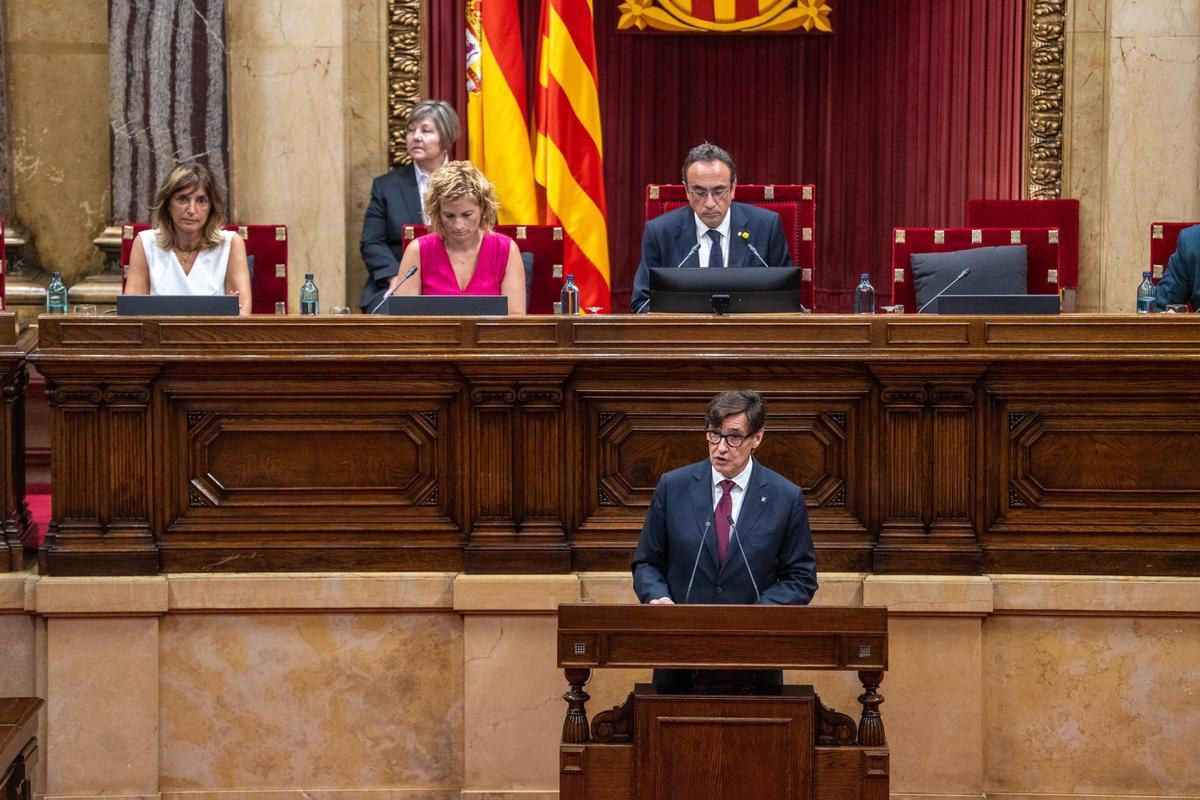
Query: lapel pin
[[763, 498]]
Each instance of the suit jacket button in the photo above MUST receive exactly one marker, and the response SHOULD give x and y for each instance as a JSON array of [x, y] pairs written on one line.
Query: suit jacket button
[[718, 590]]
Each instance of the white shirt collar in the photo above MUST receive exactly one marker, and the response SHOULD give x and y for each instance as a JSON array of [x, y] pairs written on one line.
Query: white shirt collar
[[702, 229], [423, 176], [741, 480]]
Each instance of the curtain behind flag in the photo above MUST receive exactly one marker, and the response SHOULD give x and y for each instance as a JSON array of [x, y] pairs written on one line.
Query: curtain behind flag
[[569, 161], [497, 110]]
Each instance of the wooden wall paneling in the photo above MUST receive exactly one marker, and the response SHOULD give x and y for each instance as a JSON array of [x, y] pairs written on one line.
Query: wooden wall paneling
[[927, 468], [18, 533]]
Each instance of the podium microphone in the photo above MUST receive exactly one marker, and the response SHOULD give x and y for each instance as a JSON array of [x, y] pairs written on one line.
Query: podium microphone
[[695, 247], [746, 561], [966, 271], [411, 271], [757, 255], [699, 550]]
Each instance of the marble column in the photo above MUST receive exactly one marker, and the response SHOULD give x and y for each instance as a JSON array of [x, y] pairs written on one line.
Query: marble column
[[6, 203]]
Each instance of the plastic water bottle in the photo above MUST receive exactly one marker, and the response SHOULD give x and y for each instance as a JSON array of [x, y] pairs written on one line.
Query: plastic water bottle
[[1145, 297], [309, 297], [864, 296], [570, 296], [56, 295]]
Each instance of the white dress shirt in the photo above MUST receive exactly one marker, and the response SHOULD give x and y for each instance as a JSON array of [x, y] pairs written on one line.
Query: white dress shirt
[[423, 184], [706, 241], [737, 493]]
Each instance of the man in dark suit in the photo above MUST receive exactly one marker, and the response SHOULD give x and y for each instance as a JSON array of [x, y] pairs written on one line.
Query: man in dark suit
[[1181, 281], [396, 198], [713, 231], [689, 552]]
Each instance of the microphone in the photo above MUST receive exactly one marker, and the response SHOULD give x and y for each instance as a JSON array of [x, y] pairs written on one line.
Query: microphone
[[695, 247], [966, 271], [746, 561], [699, 550], [411, 271], [763, 261]]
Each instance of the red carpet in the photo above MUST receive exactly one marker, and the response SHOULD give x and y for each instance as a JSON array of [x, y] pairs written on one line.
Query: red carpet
[[38, 497]]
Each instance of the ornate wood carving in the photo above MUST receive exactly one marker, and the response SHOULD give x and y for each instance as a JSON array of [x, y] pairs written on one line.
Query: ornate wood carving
[[835, 729], [870, 727], [616, 725], [1046, 96], [575, 726], [405, 72]]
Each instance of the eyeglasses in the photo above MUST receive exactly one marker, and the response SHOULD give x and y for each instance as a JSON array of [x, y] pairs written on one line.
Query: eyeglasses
[[716, 193], [731, 439]]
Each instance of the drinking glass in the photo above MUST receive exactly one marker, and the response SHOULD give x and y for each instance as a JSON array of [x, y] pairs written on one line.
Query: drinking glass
[[85, 309], [340, 310], [280, 307], [897, 309], [1172, 308]]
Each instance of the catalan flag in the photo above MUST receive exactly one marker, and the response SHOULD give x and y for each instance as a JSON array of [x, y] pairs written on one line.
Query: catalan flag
[[497, 109], [569, 161]]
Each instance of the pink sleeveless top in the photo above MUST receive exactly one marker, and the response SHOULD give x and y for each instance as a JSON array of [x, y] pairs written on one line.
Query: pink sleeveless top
[[437, 276]]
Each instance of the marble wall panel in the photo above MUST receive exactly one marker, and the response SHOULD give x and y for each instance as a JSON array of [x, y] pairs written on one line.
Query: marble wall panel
[[1087, 705], [101, 706], [288, 131], [1087, 16], [1153, 18], [17, 655], [1152, 170], [58, 101], [6, 204], [1084, 142], [321, 701]]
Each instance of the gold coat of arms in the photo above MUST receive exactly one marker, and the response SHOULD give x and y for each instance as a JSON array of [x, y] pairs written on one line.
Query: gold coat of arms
[[726, 16]]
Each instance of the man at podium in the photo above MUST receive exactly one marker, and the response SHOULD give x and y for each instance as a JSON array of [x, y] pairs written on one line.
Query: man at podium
[[727, 529]]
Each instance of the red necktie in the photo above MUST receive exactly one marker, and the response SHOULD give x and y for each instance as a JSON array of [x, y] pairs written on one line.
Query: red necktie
[[723, 513]]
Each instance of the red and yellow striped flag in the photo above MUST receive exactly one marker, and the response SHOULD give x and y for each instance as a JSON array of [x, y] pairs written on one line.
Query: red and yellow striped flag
[[569, 160], [497, 109]]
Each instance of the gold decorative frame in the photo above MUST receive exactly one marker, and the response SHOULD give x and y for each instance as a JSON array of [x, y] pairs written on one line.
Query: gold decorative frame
[[406, 71], [1045, 93], [1045, 83]]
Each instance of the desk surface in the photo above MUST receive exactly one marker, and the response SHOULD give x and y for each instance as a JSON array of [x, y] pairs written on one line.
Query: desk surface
[[924, 444]]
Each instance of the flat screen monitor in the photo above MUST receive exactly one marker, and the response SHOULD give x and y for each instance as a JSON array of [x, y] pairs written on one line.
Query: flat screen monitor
[[738, 290], [177, 305], [1004, 304], [448, 306]]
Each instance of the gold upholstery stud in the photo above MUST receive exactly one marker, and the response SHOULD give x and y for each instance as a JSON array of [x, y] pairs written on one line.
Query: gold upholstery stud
[[1014, 237], [522, 232], [768, 192], [898, 275], [899, 236], [243, 232], [1157, 272], [653, 192], [408, 232], [976, 236], [557, 233], [558, 271], [281, 234], [939, 237], [127, 231], [1156, 232], [281, 270], [1051, 276], [806, 234], [806, 193], [806, 274]]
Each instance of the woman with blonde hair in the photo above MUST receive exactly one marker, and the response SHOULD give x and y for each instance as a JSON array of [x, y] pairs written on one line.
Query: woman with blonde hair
[[463, 255], [185, 251]]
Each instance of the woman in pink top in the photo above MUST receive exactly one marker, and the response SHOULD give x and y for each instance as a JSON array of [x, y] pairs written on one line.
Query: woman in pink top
[[463, 255]]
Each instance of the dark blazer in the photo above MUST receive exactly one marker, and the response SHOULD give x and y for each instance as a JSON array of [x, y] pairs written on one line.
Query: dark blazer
[[772, 527], [395, 203], [668, 237], [1181, 280]]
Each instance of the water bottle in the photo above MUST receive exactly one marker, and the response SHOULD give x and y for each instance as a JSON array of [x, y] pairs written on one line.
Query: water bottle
[[1145, 297], [56, 295], [309, 297], [570, 296], [864, 296]]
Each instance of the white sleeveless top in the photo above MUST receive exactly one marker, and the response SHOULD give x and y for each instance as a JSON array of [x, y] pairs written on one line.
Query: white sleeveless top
[[207, 276]]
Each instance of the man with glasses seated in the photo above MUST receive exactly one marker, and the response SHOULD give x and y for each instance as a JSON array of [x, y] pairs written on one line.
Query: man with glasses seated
[[726, 530], [713, 231]]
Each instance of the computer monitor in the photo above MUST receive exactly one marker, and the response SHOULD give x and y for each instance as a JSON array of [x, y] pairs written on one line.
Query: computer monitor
[[738, 290], [177, 305], [432, 305]]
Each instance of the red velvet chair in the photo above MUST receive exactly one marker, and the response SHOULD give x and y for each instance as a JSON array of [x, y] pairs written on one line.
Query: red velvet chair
[[545, 244], [1163, 236], [1043, 244], [792, 202], [268, 245], [1062, 214], [3, 269]]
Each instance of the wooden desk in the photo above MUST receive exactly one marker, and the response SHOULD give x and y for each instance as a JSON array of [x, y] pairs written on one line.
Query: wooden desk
[[936, 445], [18, 746], [18, 533]]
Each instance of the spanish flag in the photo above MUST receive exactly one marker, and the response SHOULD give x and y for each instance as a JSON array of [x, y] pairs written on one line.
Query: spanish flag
[[497, 109], [569, 161]]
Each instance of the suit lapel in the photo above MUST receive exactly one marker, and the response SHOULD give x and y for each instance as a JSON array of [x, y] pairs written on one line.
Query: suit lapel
[[757, 498], [739, 254], [685, 239], [408, 191], [702, 507]]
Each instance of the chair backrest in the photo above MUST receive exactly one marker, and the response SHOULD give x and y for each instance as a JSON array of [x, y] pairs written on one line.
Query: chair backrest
[[3, 269], [793, 203], [544, 243], [268, 244], [1042, 243], [1163, 238], [1062, 214]]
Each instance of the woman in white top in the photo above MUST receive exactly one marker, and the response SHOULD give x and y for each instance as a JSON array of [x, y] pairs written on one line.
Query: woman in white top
[[186, 251]]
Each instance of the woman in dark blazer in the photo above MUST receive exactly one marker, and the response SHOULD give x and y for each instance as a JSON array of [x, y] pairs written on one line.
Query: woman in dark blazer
[[433, 127]]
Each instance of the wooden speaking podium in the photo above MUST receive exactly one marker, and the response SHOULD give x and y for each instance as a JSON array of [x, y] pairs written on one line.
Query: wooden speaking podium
[[721, 746]]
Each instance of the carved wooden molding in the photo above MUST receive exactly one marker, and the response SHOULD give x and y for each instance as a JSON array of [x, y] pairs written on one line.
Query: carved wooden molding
[[405, 71], [1046, 97]]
